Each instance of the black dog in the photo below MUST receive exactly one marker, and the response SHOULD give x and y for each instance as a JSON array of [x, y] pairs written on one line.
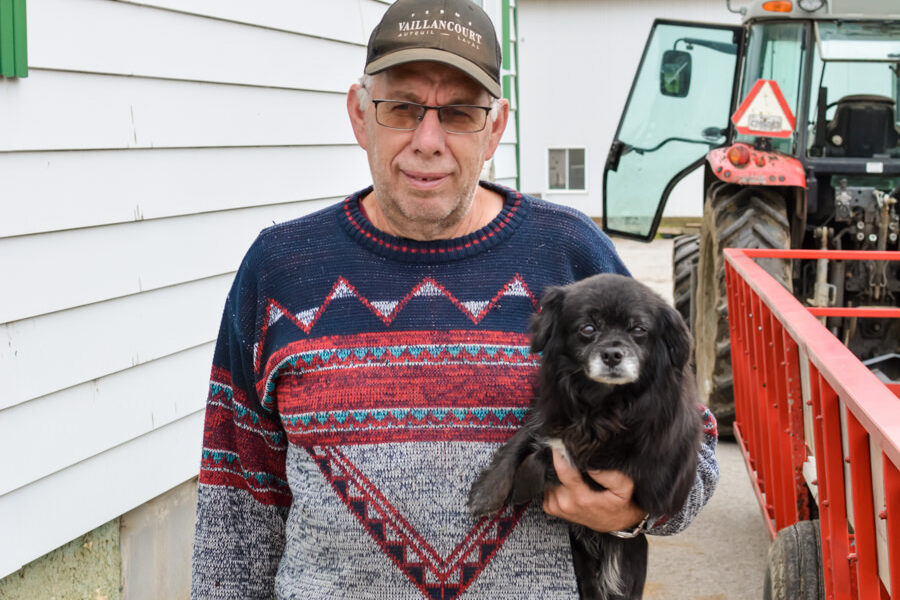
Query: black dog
[[616, 390]]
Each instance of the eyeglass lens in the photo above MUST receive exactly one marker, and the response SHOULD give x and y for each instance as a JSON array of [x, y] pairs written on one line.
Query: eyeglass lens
[[454, 118]]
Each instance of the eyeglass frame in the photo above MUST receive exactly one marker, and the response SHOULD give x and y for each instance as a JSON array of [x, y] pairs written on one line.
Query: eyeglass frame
[[437, 109]]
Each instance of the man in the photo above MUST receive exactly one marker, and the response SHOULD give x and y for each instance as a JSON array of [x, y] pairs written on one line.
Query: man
[[373, 355]]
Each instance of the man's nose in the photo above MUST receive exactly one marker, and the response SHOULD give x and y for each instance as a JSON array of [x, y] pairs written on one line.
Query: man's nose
[[429, 136]]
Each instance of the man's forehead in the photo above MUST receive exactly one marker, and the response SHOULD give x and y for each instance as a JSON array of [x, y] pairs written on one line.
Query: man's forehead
[[426, 74]]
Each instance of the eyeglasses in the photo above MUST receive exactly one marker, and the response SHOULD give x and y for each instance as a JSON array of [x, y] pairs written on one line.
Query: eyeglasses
[[454, 118]]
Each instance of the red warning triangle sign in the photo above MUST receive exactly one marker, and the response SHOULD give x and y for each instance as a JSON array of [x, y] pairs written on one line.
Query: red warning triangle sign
[[764, 112]]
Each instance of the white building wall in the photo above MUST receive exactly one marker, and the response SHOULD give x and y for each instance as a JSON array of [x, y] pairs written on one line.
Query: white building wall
[[577, 59], [149, 144]]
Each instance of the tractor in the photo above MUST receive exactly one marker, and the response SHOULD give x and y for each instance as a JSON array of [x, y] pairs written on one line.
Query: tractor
[[793, 116]]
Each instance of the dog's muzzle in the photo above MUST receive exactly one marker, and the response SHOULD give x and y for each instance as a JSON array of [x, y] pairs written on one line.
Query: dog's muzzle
[[614, 364]]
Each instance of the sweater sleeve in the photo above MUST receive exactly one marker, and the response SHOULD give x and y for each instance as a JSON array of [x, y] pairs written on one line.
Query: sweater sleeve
[[243, 495], [704, 483]]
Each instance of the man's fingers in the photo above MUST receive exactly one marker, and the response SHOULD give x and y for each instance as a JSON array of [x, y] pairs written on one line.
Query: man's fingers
[[616, 482], [568, 475], [612, 509]]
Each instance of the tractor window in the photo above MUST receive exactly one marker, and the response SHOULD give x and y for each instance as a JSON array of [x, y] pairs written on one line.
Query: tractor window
[[677, 111], [854, 90], [776, 51]]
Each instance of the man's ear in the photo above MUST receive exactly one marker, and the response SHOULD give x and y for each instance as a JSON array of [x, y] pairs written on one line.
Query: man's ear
[[357, 115], [497, 126]]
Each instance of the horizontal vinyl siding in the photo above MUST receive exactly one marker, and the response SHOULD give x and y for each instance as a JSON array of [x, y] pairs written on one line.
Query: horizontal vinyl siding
[[89, 265], [105, 338], [156, 43], [58, 508], [345, 20], [148, 146], [136, 400], [59, 110], [50, 187], [150, 143]]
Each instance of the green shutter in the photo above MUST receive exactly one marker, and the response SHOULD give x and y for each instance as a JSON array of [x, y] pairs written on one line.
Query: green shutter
[[504, 11], [7, 41], [509, 12], [13, 46], [20, 38]]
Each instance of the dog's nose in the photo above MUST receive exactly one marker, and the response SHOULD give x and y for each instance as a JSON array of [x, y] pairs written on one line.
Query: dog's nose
[[611, 356]]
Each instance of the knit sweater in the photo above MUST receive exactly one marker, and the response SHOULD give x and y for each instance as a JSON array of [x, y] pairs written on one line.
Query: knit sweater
[[360, 382]]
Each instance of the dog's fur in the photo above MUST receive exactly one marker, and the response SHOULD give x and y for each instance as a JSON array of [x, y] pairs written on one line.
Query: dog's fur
[[616, 389]]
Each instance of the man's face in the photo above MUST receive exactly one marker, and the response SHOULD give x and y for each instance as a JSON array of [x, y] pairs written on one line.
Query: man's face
[[424, 179]]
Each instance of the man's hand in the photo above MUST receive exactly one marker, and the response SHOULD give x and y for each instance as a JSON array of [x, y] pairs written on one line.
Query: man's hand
[[611, 509]]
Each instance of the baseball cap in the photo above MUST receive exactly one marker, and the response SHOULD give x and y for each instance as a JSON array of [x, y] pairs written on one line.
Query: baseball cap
[[457, 33]]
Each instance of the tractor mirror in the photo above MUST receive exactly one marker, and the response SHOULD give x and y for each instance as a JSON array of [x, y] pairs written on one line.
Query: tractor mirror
[[675, 73]]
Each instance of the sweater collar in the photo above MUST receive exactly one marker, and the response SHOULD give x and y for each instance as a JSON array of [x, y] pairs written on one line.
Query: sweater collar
[[498, 230]]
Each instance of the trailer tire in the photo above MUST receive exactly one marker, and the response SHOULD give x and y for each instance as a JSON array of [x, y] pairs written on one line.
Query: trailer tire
[[794, 565], [734, 216], [685, 255]]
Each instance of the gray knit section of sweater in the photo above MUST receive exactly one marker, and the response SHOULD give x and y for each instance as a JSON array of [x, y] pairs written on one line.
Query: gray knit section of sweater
[[236, 525], [416, 493], [422, 487]]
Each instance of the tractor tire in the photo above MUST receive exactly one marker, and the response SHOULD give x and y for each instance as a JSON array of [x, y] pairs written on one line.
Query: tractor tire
[[794, 564], [685, 254], [734, 216]]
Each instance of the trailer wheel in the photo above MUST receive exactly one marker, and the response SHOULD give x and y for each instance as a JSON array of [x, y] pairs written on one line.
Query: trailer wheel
[[685, 255], [794, 565], [733, 217]]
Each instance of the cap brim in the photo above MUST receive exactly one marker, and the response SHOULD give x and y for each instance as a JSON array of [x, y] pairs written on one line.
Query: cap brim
[[409, 55]]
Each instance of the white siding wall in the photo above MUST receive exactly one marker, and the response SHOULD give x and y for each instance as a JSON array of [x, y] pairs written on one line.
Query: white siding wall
[[577, 59], [149, 144]]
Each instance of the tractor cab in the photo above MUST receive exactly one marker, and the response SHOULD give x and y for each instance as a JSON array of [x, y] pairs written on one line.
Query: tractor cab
[[794, 117], [837, 77]]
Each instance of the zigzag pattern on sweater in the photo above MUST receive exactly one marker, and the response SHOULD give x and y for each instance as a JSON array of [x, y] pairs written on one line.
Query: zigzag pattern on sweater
[[223, 467], [387, 310], [436, 576], [449, 354], [222, 395], [409, 354], [403, 418]]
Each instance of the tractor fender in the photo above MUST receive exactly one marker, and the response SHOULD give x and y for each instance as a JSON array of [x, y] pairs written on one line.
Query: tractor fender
[[763, 168]]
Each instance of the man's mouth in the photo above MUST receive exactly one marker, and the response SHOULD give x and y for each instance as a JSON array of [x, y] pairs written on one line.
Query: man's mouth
[[424, 180]]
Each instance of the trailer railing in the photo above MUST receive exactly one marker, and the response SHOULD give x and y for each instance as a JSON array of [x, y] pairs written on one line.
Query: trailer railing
[[819, 431]]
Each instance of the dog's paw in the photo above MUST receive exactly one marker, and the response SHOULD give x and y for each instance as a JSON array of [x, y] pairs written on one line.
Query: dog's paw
[[531, 478], [489, 492]]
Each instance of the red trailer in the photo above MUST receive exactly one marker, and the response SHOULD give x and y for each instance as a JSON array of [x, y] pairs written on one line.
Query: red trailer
[[820, 433]]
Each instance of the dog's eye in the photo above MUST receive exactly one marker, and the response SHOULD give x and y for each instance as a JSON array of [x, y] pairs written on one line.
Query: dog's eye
[[638, 330], [587, 329]]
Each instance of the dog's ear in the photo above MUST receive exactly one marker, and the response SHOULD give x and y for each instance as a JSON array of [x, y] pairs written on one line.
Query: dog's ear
[[675, 336], [544, 324]]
